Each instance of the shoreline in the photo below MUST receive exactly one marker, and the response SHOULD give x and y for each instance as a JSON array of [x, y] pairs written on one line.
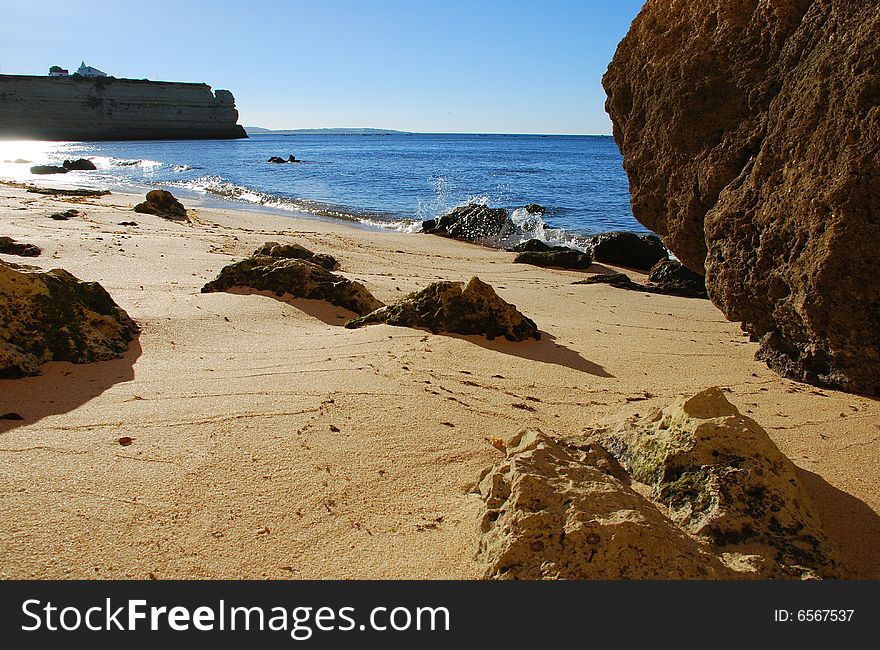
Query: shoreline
[[231, 400]]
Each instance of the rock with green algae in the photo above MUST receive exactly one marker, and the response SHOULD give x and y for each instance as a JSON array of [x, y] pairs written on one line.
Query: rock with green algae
[[456, 308], [297, 252], [723, 480], [53, 316], [297, 278], [554, 511]]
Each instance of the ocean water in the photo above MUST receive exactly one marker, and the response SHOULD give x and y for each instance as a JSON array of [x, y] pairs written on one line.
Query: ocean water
[[392, 181]]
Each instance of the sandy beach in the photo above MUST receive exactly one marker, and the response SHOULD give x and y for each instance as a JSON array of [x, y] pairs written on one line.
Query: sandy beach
[[270, 442]]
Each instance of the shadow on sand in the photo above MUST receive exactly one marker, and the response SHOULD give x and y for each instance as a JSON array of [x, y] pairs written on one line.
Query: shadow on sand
[[543, 351], [62, 387], [322, 310], [852, 523]]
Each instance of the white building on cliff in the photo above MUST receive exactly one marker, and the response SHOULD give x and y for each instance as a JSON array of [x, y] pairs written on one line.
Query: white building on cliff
[[88, 71]]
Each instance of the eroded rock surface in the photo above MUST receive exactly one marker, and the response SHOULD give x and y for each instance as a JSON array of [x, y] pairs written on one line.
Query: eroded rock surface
[[751, 136], [53, 316], [297, 278], [297, 252], [162, 204], [724, 480], [456, 308], [553, 511], [694, 491]]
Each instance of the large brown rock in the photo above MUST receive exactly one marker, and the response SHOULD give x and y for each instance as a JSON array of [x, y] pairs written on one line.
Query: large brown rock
[[53, 316], [162, 203], [751, 134]]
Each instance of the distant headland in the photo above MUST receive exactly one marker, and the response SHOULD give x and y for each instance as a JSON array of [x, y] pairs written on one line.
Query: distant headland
[[90, 105]]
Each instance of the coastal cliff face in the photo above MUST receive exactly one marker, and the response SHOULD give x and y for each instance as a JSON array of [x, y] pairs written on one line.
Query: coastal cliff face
[[751, 133], [77, 108]]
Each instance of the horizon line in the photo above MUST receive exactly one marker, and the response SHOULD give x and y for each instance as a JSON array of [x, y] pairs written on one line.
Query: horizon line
[[370, 128]]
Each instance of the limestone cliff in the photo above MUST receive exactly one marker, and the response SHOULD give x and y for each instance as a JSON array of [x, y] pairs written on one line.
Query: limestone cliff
[[751, 136], [77, 108]]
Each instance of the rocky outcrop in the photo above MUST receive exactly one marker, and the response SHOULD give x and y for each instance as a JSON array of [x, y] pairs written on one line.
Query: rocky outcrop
[[80, 108], [723, 480], [750, 136], [456, 308], [538, 253], [297, 252], [9, 246], [721, 502], [627, 249], [48, 169], [80, 164], [296, 278], [53, 316], [471, 223], [534, 208], [558, 512], [162, 204]]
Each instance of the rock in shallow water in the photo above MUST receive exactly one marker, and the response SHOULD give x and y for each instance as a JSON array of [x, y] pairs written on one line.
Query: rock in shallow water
[[80, 164], [725, 503], [456, 308], [53, 316], [297, 278], [470, 223], [751, 136], [48, 169]]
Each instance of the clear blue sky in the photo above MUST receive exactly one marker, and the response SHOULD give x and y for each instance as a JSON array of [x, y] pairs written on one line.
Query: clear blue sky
[[512, 66]]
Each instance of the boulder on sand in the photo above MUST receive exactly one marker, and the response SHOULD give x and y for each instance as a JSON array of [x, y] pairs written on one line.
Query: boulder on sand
[[455, 308], [162, 204], [628, 249], [723, 480], [53, 316], [11, 247], [693, 491], [553, 511], [470, 223], [297, 252], [538, 253], [672, 277], [297, 278]]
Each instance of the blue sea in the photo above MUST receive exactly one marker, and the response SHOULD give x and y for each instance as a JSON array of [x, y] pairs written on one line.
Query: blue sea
[[384, 181]]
